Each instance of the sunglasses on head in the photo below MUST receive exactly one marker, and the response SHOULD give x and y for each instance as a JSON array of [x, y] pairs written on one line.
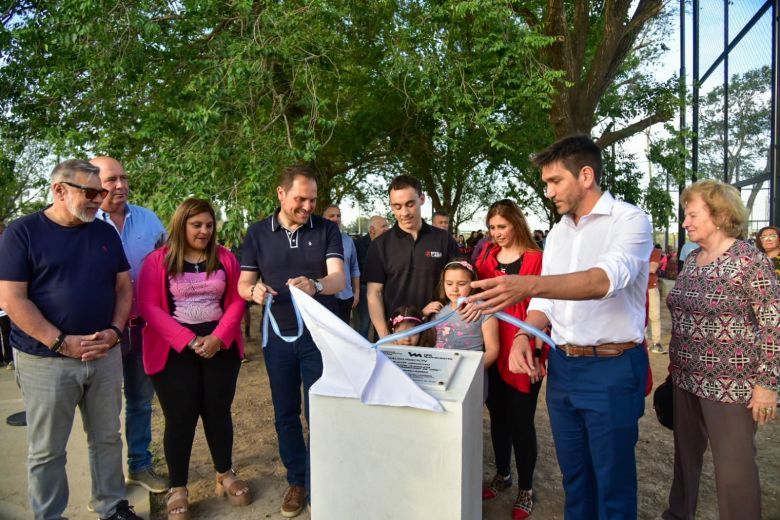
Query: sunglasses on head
[[90, 193]]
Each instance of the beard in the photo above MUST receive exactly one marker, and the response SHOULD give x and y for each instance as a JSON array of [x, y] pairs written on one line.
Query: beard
[[82, 214]]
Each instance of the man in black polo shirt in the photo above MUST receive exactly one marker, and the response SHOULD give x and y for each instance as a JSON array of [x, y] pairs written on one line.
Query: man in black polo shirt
[[404, 264], [292, 247]]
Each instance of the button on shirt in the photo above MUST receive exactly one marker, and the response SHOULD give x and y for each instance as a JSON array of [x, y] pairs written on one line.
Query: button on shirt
[[351, 269], [616, 237], [277, 254], [409, 268], [142, 233]]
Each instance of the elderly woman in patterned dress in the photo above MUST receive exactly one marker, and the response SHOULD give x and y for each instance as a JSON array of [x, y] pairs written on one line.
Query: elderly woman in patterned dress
[[725, 354]]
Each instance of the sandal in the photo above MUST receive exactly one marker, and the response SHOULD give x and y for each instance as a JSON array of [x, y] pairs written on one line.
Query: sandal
[[176, 499], [237, 490]]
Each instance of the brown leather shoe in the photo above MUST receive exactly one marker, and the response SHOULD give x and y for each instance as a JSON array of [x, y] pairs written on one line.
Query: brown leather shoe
[[293, 501]]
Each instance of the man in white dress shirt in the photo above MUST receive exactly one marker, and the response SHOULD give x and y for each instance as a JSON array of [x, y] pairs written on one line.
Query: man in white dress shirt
[[592, 292]]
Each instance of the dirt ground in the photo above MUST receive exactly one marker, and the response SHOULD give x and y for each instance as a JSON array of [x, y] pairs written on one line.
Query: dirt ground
[[256, 458]]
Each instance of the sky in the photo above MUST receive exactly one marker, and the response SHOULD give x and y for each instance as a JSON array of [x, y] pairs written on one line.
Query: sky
[[752, 51]]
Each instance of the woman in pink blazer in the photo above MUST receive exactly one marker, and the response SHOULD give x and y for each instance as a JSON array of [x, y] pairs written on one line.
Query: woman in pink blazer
[[192, 348]]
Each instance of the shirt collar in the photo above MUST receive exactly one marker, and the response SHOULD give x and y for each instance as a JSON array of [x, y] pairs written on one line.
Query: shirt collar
[[603, 207], [106, 216], [276, 224], [424, 228]]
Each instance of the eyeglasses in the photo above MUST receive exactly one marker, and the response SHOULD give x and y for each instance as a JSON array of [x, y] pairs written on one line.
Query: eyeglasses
[[90, 193], [768, 237]]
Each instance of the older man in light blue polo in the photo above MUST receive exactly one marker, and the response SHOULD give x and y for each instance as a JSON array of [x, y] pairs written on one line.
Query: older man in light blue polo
[[141, 232]]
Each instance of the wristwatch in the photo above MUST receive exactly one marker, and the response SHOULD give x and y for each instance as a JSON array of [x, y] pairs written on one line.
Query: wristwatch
[[317, 285]]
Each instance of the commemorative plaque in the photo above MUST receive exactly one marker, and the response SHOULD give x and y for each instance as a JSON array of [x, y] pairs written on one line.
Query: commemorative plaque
[[432, 368]]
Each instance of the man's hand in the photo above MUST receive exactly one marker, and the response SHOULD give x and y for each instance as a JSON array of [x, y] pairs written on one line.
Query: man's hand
[[304, 284], [356, 299], [521, 358], [501, 292], [261, 292], [88, 348], [469, 312]]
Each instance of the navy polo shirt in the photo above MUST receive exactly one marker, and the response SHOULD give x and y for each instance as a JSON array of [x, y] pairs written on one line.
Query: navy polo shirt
[[70, 273], [278, 254], [409, 268]]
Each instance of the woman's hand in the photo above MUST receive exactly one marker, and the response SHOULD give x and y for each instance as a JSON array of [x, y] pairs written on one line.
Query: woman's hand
[[764, 404]]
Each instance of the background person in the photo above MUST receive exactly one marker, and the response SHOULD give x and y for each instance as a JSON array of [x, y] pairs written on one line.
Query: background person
[[440, 220], [768, 242], [141, 232], [376, 226], [511, 397], [654, 301], [349, 297], [193, 346], [724, 357]]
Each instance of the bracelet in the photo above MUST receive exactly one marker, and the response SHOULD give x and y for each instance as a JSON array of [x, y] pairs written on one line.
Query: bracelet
[[191, 344], [523, 333], [118, 333], [57, 345], [252, 292]]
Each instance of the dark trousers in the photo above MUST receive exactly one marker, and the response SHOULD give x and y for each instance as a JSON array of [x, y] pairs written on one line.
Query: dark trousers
[[730, 429], [6, 352], [289, 365], [594, 405], [190, 387], [345, 309], [512, 426], [362, 318]]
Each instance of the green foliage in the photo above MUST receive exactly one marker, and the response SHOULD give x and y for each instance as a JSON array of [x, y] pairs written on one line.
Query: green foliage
[[23, 186], [211, 99]]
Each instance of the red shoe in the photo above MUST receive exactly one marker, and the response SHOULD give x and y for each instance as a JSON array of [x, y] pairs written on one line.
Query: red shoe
[[497, 484], [523, 505]]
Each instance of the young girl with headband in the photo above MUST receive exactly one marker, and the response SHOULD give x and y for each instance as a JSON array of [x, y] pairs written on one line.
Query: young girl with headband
[[455, 333], [407, 317]]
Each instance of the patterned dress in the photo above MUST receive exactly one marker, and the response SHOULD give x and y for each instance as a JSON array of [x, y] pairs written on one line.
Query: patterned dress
[[725, 325]]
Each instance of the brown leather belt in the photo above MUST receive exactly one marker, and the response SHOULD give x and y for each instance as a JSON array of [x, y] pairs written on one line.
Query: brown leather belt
[[603, 350]]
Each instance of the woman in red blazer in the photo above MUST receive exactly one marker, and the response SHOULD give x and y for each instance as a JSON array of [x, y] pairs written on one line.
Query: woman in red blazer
[[511, 397], [192, 348]]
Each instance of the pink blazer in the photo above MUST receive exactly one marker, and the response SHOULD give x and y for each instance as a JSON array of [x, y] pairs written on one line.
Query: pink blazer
[[162, 332]]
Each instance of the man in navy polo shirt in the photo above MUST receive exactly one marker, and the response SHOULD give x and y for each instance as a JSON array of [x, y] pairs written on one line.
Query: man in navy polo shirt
[[292, 247], [65, 284], [404, 264]]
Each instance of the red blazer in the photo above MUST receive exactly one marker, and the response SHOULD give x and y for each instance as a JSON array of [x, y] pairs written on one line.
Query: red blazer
[[162, 333], [487, 267]]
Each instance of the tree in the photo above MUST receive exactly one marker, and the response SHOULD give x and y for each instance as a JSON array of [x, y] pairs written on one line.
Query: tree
[[23, 186], [749, 125]]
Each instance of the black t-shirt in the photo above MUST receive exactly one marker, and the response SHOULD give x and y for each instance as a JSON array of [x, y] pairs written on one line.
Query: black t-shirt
[[70, 274], [278, 254], [361, 248], [409, 268]]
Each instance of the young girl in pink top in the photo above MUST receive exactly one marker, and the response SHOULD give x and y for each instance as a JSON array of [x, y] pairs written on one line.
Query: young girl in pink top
[[187, 292]]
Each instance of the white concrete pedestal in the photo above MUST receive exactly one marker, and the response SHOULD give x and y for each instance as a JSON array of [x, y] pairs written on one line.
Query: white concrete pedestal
[[384, 462]]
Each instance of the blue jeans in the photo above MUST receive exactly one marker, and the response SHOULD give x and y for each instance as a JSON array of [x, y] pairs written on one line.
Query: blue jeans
[[289, 365], [594, 405], [139, 393], [52, 388]]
